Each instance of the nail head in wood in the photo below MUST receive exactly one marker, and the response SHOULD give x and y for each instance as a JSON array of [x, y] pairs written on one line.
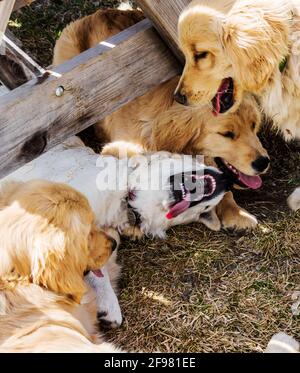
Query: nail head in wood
[[59, 91]]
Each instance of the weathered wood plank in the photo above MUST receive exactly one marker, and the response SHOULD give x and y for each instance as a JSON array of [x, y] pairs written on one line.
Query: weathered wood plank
[[3, 90], [33, 119], [16, 67], [6, 7], [20, 3], [164, 15]]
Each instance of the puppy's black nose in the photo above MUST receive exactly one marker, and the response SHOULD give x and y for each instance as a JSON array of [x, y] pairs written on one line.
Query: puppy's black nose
[[114, 244], [180, 98], [261, 164]]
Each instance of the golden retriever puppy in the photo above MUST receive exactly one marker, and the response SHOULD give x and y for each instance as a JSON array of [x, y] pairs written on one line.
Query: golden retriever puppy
[[238, 46], [156, 122], [231, 142], [231, 47], [48, 242]]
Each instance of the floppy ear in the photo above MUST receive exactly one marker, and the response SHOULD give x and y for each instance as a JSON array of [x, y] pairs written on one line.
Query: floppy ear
[[174, 131], [255, 37], [45, 228], [60, 259]]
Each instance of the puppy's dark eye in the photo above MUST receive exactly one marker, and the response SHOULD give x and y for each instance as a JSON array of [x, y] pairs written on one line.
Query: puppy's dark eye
[[253, 126], [200, 56], [228, 134]]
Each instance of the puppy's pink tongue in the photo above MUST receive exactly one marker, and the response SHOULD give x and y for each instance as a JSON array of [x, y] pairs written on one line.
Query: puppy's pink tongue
[[178, 209], [217, 107], [217, 99], [253, 182], [98, 273]]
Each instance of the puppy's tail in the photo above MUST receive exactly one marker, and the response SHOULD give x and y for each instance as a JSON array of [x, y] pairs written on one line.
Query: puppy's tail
[[89, 31]]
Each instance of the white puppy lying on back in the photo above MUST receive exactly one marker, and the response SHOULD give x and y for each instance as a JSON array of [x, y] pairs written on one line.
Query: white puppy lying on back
[[135, 196]]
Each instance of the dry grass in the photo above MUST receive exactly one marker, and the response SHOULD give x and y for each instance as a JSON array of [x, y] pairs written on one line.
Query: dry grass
[[199, 290]]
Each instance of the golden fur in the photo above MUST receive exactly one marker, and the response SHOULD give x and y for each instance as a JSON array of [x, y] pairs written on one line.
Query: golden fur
[[156, 122], [79, 36], [48, 241], [242, 39], [247, 41]]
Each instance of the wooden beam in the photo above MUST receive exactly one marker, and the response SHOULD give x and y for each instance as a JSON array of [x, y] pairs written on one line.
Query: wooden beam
[[6, 7], [3, 90], [16, 67], [164, 15], [20, 3], [93, 85]]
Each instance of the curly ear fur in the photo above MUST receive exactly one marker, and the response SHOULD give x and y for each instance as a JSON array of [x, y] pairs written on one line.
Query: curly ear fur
[[44, 229], [255, 37], [56, 268]]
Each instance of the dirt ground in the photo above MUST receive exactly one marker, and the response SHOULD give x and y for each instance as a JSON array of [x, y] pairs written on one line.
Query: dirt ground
[[199, 291]]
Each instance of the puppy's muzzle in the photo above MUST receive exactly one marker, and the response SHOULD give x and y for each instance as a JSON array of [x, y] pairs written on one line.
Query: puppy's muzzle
[[181, 98], [261, 164]]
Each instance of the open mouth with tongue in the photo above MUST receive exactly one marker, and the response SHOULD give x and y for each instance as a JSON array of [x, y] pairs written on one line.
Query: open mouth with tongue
[[224, 99], [238, 177], [192, 188]]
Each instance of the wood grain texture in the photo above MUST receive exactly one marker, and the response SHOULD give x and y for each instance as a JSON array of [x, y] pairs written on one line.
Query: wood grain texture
[[164, 15], [33, 119], [6, 7]]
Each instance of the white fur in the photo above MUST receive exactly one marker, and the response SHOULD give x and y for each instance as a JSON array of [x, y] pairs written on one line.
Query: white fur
[[294, 200], [75, 164], [281, 99], [79, 166], [152, 204], [107, 302]]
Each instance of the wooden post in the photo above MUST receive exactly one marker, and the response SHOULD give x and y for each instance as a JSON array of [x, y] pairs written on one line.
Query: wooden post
[[6, 7], [45, 111], [164, 15]]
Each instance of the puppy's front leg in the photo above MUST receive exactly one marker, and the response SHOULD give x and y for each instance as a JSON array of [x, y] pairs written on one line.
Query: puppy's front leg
[[233, 216], [109, 311]]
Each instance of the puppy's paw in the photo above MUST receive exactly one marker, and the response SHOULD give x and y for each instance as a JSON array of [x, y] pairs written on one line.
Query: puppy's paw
[[105, 323], [109, 313], [238, 219], [294, 200], [134, 233], [122, 149], [108, 309]]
